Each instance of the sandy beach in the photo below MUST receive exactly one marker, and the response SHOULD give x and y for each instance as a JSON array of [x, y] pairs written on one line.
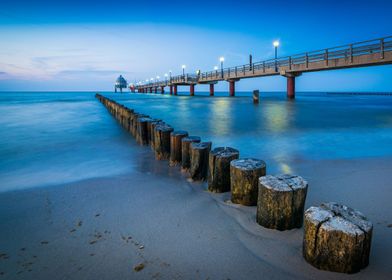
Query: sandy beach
[[103, 228]]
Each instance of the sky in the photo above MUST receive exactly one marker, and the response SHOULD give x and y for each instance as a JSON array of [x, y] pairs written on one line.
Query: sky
[[72, 46]]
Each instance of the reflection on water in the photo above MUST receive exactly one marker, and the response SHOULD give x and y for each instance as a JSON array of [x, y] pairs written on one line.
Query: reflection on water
[[51, 138], [315, 126], [276, 116], [220, 118]]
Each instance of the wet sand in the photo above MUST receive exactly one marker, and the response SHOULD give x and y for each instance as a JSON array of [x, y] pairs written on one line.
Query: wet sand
[[105, 228]]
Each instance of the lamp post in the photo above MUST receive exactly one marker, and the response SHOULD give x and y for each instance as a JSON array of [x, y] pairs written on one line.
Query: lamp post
[[183, 69], [166, 78], [158, 78], [221, 59], [170, 74], [276, 45]]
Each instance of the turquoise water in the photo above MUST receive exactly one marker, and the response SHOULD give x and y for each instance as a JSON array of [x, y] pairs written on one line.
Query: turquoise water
[[52, 138]]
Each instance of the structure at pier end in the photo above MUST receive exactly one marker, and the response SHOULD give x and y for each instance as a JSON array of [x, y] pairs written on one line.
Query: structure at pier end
[[120, 84]]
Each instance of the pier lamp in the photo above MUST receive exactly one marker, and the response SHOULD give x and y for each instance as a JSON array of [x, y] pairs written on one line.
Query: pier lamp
[[215, 68], [221, 59], [183, 69], [166, 77], [158, 78], [276, 45]]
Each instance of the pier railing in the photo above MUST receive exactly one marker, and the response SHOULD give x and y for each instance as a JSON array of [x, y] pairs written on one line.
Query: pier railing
[[308, 61]]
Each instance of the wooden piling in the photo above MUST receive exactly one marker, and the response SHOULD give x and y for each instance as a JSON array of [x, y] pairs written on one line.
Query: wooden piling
[[199, 160], [281, 201], [337, 238], [219, 168], [176, 147], [244, 179], [142, 131], [153, 124], [185, 150], [162, 141]]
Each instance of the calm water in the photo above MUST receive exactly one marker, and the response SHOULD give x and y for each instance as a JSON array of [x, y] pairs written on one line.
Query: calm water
[[52, 138]]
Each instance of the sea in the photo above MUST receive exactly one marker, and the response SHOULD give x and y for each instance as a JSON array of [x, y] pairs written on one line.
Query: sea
[[51, 138]]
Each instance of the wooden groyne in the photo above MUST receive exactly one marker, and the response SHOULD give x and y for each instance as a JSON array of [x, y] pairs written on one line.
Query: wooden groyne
[[336, 238]]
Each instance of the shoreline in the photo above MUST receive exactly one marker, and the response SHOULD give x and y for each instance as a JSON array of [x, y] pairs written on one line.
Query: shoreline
[[202, 236]]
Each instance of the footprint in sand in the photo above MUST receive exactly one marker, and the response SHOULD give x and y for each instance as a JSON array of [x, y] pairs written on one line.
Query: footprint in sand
[[138, 267], [44, 242]]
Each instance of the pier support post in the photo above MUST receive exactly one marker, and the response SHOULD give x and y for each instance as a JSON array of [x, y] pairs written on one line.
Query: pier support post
[[155, 89], [162, 89], [291, 87], [291, 83], [150, 89], [232, 86], [192, 90], [211, 89], [175, 89], [171, 89]]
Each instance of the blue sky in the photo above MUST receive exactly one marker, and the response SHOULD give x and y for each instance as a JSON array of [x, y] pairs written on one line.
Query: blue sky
[[67, 45]]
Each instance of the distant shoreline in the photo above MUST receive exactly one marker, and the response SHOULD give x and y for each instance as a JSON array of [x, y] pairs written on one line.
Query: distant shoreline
[[360, 93]]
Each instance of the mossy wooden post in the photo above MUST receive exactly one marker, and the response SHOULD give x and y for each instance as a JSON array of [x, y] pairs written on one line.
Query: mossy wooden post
[[185, 150], [134, 123], [176, 147], [149, 132], [244, 179], [219, 168], [199, 160], [130, 121], [127, 118], [142, 132], [281, 201], [337, 238], [152, 132], [162, 141]]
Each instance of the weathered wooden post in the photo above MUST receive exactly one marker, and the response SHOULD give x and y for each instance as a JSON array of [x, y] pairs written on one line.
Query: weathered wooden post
[[162, 141], [152, 132], [199, 160], [185, 150], [142, 132], [281, 201], [149, 123], [135, 121], [176, 147], [256, 96], [244, 178], [128, 114], [337, 238], [219, 168]]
